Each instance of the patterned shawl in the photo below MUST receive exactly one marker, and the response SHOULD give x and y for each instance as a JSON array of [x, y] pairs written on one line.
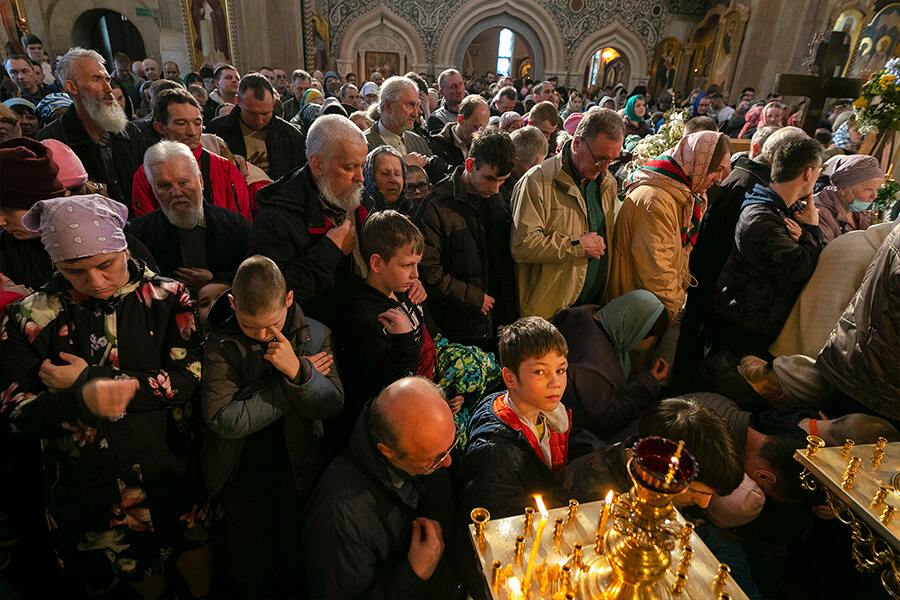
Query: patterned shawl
[[682, 166]]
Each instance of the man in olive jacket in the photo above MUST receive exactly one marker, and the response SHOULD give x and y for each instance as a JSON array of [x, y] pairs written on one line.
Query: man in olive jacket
[[563, 215]]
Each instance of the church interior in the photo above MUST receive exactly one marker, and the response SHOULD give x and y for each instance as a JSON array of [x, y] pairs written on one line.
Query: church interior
[[353, 299]]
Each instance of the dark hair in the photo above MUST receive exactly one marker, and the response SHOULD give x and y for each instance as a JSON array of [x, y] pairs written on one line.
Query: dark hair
[[490, 146], [17, 57], [218, 72], [545, 111], [168, 97], [344, 89], [192, 78], [349, 75], [529, 337], [299, 74], [794, 157], [700, 123], [748, 89], [717, 96], [385, 232], [121, 58], [469, 104], [862, 429], [264, 67], [259, 287], [777, 451], [707, 437], [420, 83], [30, 38], [257, 84], [161, 85], [823, 136], [129, 106]]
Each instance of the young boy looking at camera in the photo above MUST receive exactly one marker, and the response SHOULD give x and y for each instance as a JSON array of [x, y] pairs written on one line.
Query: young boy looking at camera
[[519, 438], [268, 380]]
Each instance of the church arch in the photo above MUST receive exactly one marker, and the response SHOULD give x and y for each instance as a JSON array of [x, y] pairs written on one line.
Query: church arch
[[629, 47], [69, 23], [524, 17], [380, 31]]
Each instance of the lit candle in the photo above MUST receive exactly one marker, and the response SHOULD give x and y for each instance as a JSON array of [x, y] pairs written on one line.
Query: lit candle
[[676, 459], [537, 541], [515, 589], [607, 505]]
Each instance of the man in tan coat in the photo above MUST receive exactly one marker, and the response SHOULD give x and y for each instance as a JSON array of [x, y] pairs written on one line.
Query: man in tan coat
[[563, 219]]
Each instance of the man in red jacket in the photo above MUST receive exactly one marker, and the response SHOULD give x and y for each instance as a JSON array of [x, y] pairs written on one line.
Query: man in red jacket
[[177, 117]]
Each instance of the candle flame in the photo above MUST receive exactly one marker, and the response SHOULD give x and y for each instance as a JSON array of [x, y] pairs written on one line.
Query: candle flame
[[609, 497], [540, 505], [514, 585]]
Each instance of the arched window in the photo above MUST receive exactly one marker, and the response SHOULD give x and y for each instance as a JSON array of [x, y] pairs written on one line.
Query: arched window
[[505, 52]]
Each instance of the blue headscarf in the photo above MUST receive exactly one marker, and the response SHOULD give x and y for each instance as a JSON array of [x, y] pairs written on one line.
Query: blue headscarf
[[627, 320], [696, 103], [629, 108], [46, 108]]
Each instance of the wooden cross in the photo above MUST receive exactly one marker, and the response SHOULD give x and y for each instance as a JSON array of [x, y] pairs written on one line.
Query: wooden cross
[[828, 56]]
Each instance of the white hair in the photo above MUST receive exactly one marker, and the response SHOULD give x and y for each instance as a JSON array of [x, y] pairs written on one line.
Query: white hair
[[328, 131], [66, 67], [778, 139], [392, 88], [164, 151]]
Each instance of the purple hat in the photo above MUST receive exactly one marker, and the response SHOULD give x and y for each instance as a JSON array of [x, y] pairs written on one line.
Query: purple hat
[[856, 168], [78, 226]]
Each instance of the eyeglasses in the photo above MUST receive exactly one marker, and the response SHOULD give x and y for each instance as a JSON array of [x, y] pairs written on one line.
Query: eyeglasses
[[435, 465], [598, 162], [421, 187]]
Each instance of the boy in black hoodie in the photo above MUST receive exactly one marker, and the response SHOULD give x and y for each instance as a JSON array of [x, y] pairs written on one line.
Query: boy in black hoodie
[[268, 380], [384, 336]]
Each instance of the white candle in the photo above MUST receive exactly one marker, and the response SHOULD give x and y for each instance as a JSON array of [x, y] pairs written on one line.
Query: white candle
[[537, 541]]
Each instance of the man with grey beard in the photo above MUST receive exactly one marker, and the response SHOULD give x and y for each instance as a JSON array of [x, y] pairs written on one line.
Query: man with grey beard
[[108, 145], [193, 241], [307, 220]]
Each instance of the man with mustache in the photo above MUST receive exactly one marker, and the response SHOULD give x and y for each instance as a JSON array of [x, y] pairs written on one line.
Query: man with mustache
[[307, 220], [109, 146], [193, 241]]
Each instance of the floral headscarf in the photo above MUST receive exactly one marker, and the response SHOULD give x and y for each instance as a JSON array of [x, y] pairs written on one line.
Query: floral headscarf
[[683, 166], [751, 119], [403, 204]]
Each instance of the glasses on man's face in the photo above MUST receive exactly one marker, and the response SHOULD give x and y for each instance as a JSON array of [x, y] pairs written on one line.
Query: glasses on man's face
[[598, 162], [417, 188], [436, 464]]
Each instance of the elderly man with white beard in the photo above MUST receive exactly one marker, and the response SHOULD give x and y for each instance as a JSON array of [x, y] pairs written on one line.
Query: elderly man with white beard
[[109, 147], [307, 220], [193, 241]]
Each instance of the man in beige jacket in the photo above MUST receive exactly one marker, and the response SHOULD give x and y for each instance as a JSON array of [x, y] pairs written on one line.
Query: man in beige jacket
[[563, 220]]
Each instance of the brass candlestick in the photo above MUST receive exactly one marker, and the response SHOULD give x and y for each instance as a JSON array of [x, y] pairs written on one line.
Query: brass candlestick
[[565, 579], [680, 581], [888, 514], [850, 473], [881, 494], [496, 574], [578, 555], [644, 531], [573, 510], [878, 453], [721, 578], [529, 520], [686, 534], [480, 517], [815, 444], [848, 447], [557, 530], [520, 549], [686, 555]]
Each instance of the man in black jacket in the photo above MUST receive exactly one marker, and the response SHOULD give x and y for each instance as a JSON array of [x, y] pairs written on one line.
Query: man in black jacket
[[453, 141], [467, 267], [380, 517], [253, 131], [716, 238], [110, 148], [776, 248], [192, 241], [307, 220]]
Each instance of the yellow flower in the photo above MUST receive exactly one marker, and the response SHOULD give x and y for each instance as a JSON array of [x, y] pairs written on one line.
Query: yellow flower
[[861, 103], [886, 80]]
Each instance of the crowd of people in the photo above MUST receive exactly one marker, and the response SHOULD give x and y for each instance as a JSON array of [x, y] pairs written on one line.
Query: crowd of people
[[281, 333]]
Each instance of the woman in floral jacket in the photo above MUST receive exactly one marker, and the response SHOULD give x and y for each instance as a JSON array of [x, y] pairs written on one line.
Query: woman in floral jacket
[[122, 485]]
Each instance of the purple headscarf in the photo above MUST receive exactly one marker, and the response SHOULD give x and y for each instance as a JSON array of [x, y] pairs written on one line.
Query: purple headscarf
[[78, 226]]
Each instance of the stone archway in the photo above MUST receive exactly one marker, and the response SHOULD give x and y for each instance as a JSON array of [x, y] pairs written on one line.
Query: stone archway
[[625, 43], [380, 31], [65, 25], [524, 17]]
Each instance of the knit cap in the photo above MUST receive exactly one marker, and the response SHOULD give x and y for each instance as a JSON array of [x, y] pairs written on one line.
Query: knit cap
[[28, 173]]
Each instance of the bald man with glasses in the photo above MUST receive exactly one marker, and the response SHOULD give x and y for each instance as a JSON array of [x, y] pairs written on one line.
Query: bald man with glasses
[[563, 216], [380, 514]]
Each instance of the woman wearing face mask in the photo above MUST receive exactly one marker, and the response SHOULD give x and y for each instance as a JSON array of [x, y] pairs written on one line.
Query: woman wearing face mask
[[844, 205]]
